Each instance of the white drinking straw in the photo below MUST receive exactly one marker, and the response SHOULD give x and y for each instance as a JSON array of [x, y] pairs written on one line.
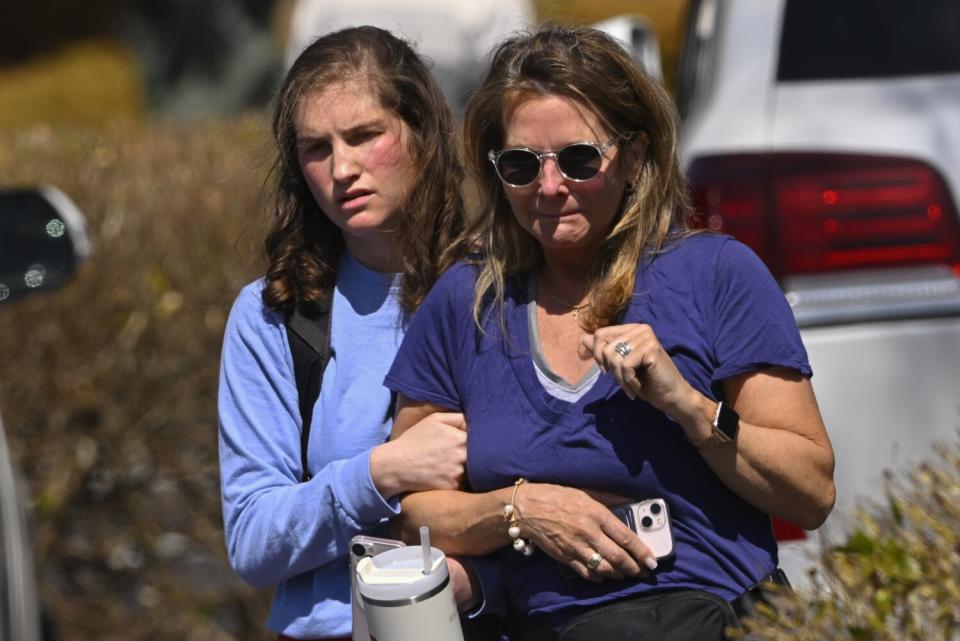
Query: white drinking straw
[[425, 548]]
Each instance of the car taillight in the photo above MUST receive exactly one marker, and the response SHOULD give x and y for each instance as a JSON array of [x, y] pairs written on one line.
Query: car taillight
[[787, 531], [808, 213]]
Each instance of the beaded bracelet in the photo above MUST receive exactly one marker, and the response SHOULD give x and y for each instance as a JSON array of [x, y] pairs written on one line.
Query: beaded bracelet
[[524, 546]]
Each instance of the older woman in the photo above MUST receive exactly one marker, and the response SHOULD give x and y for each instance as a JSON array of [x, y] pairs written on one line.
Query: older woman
[[602, 352]]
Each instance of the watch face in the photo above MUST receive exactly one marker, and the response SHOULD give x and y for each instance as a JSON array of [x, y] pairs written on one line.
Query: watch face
[[728, 422]]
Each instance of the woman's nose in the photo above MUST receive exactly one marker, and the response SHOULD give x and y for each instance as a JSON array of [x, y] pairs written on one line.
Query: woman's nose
[[551, 180], [344, 164]]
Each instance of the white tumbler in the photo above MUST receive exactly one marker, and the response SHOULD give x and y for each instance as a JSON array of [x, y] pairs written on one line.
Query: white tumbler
[[407, 595]]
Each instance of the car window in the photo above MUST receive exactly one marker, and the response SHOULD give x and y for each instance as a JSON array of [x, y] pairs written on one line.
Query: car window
[[826, 39]]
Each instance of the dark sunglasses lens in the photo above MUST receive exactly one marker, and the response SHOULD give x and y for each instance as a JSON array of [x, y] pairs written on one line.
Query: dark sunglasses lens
[[518, 167], [580, 162]]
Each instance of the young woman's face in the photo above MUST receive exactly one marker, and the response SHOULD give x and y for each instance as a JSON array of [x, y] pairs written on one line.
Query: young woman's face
[[568, 218], [355, 158]]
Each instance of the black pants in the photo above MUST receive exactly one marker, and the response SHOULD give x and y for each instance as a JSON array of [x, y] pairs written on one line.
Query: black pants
[[684, 615], [483, 628], [679, 615]]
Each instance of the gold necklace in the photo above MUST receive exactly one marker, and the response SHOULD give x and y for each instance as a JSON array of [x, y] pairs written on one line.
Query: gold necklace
[[576, 308]]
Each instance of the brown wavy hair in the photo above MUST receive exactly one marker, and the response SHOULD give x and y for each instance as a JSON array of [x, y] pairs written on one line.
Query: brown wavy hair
[[591, 68], [303, 245]]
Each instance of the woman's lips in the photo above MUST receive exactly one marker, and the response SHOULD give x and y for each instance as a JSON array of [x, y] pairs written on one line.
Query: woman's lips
[[557, 214], [355, 199]]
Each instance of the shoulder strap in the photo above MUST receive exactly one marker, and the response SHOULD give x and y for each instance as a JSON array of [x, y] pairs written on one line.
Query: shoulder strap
[[309, 338]]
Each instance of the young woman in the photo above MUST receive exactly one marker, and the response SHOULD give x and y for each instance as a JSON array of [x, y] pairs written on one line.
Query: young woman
[[599, 343], [366, 202]]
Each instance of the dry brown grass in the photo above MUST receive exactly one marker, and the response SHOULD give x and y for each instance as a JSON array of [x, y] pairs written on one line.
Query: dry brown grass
[[108, 387]]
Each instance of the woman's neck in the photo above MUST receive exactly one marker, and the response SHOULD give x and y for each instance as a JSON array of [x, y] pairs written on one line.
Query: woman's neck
[[381, 256], [566, 283]]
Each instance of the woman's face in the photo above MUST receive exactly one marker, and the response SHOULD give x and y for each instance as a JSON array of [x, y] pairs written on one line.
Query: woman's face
[[355, 157], [568, 218]]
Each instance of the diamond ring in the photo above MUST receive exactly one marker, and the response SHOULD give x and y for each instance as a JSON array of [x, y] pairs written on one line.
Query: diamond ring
[[594, 561], [623, 349]]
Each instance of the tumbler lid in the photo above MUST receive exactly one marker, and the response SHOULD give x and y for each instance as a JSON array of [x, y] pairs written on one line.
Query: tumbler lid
[[398, 574]]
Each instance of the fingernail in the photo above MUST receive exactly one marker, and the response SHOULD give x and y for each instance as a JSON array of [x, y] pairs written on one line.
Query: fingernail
[[651, 563], [631, 395]]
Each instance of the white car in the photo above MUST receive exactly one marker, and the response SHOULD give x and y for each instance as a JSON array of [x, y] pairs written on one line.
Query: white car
[[826, 135]]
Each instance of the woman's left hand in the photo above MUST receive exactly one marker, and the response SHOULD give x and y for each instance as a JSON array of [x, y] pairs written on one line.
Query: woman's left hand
[[466, 590], [641, 366]]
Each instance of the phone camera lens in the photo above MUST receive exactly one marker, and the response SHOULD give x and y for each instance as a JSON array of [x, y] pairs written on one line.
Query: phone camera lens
[[655, 508], [358, 550], [646, 521]]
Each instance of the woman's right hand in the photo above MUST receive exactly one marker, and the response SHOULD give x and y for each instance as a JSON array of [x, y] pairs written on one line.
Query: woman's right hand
[[570, 525], [430, 455]]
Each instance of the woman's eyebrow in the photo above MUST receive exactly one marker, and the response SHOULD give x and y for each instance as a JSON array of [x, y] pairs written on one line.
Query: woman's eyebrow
[[375, 123]]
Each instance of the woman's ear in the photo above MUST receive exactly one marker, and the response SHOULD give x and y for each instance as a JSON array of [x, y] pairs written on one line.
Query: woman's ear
[[639, 144], [636, 149]]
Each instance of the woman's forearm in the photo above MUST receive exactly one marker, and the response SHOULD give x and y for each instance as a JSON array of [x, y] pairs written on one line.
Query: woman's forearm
[[460, 522], [781, 461], [780, 472]]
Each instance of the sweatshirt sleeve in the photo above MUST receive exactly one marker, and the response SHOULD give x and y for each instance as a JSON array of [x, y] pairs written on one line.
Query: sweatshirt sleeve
[[275, 526]]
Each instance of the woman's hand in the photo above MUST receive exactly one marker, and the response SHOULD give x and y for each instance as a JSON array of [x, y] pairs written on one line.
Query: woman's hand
[[430, 455], [644, 370], [466, 589], [571, 525]]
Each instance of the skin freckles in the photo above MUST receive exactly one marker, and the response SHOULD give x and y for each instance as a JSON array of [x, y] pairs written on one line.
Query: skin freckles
[[355, 158]]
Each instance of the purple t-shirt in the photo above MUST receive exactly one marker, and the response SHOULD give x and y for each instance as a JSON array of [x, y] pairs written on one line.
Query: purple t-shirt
[[716, 310]]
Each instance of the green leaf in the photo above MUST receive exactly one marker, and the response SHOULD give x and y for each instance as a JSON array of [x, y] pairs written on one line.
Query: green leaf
[[859, 543], [895, 510], [883, 603]]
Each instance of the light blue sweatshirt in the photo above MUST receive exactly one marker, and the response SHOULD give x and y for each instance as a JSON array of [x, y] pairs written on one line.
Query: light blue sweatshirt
[[280, 532]]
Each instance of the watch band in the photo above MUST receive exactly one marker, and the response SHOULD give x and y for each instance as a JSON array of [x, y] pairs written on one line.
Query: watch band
[[716, 438], [726, 424]]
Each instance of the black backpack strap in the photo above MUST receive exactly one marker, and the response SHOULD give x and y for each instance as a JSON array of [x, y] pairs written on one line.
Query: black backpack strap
[[309, 338]]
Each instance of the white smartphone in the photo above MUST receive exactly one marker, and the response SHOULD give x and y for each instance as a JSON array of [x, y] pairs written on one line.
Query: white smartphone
[[650, 519], [362, 546]]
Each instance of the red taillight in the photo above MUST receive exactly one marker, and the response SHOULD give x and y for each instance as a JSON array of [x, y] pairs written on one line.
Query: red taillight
[[808, 213], [787, 531]]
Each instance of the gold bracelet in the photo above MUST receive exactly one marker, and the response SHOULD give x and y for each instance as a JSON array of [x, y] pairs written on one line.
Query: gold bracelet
[[524, 546]]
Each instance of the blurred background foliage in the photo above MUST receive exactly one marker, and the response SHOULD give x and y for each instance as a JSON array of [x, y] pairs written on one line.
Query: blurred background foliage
[[896, 576], [108, 387]]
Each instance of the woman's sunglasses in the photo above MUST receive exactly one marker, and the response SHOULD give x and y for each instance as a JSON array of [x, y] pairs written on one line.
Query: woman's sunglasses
[[520, 166]]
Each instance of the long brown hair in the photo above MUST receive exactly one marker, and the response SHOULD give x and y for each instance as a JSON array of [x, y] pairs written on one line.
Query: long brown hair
[[594, 70], [303, 245]]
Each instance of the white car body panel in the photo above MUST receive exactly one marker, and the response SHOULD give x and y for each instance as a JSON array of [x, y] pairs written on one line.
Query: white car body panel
[[830, 116]]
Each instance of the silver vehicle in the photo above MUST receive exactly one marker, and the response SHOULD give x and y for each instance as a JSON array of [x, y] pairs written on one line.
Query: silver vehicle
[[826, 135], [42, 238]]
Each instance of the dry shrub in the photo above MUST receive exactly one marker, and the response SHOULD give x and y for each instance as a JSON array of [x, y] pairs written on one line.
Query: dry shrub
[[108, 387], [895, 578], [89, 82]]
